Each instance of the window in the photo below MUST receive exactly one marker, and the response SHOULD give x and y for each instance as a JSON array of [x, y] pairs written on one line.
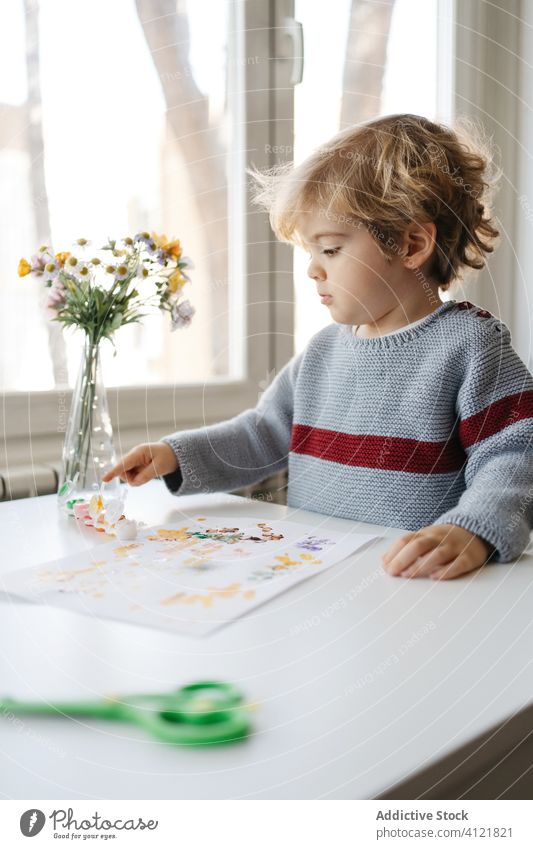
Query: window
[[375, 73], [129, 126], [119, 118]]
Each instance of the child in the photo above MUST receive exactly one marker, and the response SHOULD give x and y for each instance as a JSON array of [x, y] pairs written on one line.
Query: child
[[406, 411]]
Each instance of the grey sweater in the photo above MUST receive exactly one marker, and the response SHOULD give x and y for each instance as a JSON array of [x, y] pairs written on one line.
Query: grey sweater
[[428, 425]]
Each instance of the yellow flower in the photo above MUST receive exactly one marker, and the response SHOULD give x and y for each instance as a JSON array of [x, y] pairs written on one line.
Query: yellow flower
[[172, 248], [61, 258], [176, 281], [159, 240], [24, 267]]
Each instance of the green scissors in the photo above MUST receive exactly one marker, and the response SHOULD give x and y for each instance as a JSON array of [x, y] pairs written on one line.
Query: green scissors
[[197, 714]]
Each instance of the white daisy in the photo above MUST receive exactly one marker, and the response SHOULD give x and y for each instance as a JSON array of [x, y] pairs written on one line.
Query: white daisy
[[121, 272], [51, 270], [73, 265], [83, 273]]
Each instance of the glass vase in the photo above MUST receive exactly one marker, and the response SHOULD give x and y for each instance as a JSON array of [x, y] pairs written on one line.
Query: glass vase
[[88, 450]]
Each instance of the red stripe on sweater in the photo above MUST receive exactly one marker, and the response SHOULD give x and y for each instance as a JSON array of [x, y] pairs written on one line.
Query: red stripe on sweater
[[390, 453], [496, 417]]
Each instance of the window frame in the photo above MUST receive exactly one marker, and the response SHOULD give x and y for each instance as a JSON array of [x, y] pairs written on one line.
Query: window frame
[[487, 67]]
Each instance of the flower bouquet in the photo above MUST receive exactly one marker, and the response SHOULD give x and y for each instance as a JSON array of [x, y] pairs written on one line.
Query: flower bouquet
[[99, 291]]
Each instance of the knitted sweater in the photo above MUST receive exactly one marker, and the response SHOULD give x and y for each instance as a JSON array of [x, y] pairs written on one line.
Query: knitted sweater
[[428, 425]]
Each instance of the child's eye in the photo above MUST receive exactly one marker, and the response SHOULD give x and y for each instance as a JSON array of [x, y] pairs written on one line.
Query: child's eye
[[330, 251]]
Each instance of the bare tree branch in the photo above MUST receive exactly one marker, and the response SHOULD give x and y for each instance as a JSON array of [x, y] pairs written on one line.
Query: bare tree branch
[[166, 29], [366, 55], [35, 147]]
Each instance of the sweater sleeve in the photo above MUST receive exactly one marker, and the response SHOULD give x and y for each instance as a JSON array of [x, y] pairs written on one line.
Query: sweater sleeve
[[495, 423], [240, 451]]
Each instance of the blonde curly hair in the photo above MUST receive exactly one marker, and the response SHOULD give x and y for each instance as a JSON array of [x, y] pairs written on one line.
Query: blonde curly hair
[[388, 173]]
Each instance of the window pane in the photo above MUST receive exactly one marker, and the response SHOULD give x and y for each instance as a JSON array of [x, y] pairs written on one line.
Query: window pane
[[374, 73], [132, 121]]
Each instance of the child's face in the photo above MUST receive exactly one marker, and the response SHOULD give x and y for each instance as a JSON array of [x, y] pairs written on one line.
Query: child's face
[[348, 267]]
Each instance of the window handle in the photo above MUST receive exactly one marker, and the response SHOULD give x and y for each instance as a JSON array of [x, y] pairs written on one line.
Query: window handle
[[294, 30]]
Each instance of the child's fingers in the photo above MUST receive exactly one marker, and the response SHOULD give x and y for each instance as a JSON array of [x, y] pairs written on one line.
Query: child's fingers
[[397, 546], [409, 553], [454, 569], [117, 471], [141, 475], [125, 465], [120, 469], [440, 556]]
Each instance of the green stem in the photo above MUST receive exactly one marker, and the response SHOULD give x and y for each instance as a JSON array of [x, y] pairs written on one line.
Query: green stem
[[83, 432], [92, 364]]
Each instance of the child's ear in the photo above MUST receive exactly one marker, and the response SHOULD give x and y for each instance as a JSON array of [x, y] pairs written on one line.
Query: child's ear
[[418, 244]]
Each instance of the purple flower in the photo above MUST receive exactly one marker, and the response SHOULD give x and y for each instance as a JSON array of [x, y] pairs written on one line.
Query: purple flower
[[38, 262], [56, 298], [181, 314]]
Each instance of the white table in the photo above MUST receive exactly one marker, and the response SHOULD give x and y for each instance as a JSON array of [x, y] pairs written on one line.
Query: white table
[[365, 685]]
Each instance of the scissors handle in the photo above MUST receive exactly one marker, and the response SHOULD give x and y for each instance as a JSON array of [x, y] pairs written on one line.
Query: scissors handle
[[106, 709], [166, 726], [202, 713]]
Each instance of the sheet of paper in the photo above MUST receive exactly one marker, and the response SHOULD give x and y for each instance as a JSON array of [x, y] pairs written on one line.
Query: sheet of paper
[[190, 578]]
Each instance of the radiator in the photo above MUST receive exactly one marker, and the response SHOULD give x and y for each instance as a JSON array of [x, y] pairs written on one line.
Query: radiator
[[27, 481], [42, 479]]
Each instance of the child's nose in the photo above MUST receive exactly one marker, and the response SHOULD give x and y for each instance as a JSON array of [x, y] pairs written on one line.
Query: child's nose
[[315, 271]]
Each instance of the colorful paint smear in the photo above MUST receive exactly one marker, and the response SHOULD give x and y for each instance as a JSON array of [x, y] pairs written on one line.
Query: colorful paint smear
[[190, 577]]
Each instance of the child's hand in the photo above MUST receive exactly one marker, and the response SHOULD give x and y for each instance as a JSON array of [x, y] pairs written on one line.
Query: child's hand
[[438, 551], [144, 462]]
